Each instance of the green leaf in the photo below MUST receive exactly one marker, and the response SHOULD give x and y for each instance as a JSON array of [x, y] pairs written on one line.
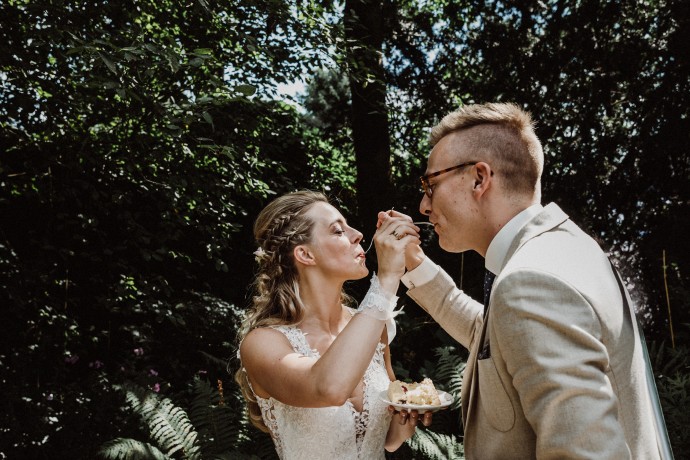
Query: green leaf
[[130, 449], [111, 66], [246, 90]]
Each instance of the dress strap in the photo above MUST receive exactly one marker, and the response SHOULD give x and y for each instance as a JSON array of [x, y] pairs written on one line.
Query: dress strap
[[298, 340]]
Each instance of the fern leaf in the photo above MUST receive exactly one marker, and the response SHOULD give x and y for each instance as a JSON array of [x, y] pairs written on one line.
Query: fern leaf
[[221, 428], [436, 446], [169, 425], [448, 372], [674, 393], [668, 361], [130, 449]]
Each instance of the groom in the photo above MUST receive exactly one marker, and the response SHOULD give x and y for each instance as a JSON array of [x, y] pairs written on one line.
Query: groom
[[555, 369]]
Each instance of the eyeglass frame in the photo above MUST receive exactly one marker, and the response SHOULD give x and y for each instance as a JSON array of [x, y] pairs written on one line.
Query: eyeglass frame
[[426, 186]]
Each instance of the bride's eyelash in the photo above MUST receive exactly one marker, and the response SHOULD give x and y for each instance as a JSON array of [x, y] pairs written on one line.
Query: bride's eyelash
[[339, 231]]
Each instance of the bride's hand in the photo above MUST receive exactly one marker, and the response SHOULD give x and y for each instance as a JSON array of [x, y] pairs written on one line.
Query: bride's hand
[[403, 425], [414, 255], [412, 417], [394, 233]]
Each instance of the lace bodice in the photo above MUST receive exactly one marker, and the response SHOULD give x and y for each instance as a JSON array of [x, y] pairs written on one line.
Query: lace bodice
[[330, 433]]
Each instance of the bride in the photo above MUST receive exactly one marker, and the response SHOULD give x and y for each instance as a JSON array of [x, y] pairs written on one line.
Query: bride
[[311, 367]]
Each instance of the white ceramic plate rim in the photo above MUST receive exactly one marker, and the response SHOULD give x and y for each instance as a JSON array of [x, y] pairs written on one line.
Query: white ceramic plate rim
[[446, 400]]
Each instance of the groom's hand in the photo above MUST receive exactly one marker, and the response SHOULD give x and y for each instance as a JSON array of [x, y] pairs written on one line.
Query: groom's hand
[[414, 256]]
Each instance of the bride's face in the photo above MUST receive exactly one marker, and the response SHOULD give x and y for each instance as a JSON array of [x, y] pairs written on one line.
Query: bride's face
[[335, 246]]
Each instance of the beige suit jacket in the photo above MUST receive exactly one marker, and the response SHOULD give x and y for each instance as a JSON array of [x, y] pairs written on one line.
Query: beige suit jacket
[[566, 375]]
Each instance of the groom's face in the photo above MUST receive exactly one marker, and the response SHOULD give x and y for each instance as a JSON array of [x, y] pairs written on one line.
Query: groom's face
[[450, 207]]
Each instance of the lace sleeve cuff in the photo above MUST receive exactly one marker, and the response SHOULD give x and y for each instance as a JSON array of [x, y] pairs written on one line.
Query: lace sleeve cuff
[[378, 303]]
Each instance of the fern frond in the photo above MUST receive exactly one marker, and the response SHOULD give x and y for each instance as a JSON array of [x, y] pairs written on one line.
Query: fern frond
[[265, 448], [674, 393], [261, 445], [169, 425], [436, 446], [218, 426], [130, 449], [235, 455], [668, 361], [448, 372]]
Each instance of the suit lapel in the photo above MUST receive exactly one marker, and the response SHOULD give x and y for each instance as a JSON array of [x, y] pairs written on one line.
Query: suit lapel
[[469, 383], [550, 217]]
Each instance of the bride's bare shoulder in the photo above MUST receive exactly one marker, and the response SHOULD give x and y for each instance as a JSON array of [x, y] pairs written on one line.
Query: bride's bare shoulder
[[264, 339]]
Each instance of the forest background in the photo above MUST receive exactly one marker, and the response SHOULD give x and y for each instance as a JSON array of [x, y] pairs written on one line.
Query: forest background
[[140, 139]]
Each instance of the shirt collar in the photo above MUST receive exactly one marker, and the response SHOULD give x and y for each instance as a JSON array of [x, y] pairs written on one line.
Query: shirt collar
[[498, 249]]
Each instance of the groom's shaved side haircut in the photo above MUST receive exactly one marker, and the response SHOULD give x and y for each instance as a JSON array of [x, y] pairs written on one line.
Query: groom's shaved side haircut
[[501, 134]]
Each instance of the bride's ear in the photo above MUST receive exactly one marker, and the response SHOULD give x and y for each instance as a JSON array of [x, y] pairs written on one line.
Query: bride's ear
[[303, 255]]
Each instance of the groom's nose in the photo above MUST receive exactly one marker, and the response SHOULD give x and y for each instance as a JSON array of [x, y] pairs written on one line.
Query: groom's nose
[[425, 205]]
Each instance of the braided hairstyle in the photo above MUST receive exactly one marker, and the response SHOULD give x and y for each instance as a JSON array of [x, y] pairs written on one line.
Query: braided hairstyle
[[279, 228]]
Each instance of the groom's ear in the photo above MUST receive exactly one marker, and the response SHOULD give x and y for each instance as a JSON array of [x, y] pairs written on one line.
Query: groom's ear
[[303, 255], [482, 177]]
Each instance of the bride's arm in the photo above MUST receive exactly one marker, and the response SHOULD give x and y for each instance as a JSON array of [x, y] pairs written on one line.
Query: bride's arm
[[275, 369]]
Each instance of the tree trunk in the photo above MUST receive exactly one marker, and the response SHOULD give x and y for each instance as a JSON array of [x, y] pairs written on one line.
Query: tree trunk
[[364, 35]]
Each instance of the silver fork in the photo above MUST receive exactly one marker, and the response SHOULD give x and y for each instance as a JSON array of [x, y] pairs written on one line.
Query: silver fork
[[416, 223]]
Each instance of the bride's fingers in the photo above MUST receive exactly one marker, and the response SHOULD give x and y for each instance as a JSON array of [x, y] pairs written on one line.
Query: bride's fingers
[[388, 218], [399, 229], [383, 215], [403, 232], [394, 213], [389, 223], [413, 417]]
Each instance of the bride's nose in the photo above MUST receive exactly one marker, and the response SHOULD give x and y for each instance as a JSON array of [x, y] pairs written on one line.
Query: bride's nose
[[357, 236]]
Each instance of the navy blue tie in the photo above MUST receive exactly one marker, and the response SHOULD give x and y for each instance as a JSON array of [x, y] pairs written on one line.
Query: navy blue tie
[[489, 278], [488, 282]]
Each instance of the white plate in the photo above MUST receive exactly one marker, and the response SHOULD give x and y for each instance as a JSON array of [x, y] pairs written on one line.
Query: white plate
[[446, 400]]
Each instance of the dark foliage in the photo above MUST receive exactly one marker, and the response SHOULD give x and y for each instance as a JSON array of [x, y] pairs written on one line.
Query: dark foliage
[[138, 140]]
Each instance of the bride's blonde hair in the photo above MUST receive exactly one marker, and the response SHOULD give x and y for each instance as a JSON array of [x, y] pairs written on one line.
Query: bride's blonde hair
[[279, 227]]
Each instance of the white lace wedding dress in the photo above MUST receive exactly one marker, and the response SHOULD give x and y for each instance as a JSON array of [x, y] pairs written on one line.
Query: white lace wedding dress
[[330, 433]]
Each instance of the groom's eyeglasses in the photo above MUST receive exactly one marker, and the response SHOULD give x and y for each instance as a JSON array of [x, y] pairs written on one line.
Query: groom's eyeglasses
[[428, 188]]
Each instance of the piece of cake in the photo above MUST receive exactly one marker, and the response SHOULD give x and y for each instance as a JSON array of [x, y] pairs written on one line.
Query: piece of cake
[[423, 393]]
